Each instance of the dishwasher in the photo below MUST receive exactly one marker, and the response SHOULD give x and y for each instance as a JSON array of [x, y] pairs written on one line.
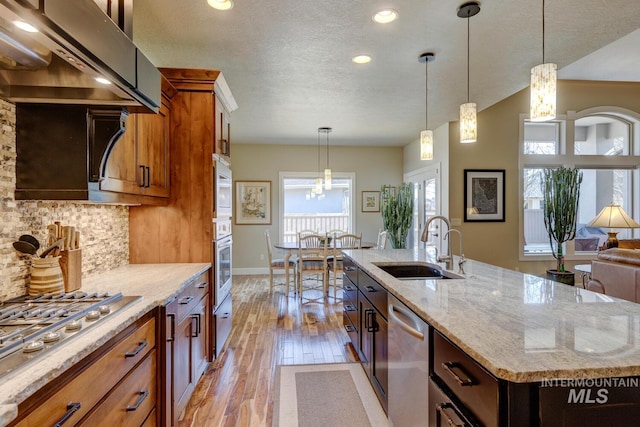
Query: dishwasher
[[408, 399]]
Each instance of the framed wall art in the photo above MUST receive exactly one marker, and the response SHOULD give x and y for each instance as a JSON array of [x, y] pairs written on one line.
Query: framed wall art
[[370, 201], [484, 195], [253, 202]]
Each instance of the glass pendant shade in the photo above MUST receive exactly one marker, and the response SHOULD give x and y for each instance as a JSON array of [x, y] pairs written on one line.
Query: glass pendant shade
[[327, 179], [544, 82], [468, 123], [318, 185], [426, 145]]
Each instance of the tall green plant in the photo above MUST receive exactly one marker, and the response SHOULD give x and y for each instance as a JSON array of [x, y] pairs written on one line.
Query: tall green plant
[[561, 189], [397, 213]]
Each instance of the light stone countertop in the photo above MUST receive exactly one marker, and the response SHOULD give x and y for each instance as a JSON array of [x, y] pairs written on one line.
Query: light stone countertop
[[520, 327], [157, 284]]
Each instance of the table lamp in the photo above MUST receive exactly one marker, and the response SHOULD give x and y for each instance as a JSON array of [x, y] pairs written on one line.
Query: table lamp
[[613, 216]]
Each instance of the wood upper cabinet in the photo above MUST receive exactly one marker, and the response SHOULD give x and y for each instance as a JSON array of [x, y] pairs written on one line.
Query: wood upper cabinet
[[139, 161]]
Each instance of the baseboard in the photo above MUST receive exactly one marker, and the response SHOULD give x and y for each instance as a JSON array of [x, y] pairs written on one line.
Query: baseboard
[[250, 271]]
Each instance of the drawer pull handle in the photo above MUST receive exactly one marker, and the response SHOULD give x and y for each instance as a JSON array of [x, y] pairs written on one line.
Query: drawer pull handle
[[185, 300], [370, 288], [202, 285], [441, 412], [349, 288], [226, 315], [349, 328], [134, 353], [72, 408], [198, 325], [349, 307], [464, 382], [349, 268], [172, 334], [143, 176], [141, 398]]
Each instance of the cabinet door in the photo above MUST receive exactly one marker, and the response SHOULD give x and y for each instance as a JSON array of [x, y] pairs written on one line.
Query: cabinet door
[[222, 129], [182, 366], [380, 358], [121, 174], [153, 151], [366, 337], [199, 334]]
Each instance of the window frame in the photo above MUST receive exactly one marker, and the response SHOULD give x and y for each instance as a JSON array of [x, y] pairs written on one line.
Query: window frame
[[568, 158], [335, 175]]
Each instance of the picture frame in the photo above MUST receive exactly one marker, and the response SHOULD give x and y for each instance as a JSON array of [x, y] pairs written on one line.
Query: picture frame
[[389, 191], [484, 191], [253, 202], [370, 201]]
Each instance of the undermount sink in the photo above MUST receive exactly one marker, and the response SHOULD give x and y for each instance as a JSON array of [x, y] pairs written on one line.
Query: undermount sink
[[416, 271]]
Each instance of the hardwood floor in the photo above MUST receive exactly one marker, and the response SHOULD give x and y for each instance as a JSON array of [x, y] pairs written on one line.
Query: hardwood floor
[[268, 330]]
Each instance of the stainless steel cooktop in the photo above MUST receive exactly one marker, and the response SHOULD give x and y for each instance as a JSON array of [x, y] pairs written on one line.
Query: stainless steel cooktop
[[30, 326]]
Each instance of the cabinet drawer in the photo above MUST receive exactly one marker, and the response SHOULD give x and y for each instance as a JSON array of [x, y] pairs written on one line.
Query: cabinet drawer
[[351, 311], [352, 331], [374, 292], [152, 419], [467, 380], [350, 291], [89, 387], [224, 320], [131, 401], [191, 296], [443, 412], [350, 270]]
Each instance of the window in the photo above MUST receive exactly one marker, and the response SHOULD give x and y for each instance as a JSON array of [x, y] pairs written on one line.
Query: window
[[304, 209], [605, 148]]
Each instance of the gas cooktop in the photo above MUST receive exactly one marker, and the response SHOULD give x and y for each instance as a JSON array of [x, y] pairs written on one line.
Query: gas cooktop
[[30, 326]]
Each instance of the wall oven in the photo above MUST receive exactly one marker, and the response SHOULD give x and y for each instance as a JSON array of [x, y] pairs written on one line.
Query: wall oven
[[222, 187], [222, 244]]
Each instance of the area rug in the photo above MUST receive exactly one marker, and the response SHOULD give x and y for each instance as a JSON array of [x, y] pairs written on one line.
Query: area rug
[[336, 395]]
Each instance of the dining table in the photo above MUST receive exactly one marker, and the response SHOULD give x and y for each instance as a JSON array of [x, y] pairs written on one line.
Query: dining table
[[291, 248]]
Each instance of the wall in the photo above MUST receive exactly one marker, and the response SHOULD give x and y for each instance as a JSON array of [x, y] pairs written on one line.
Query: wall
[[373, 166], [104, 229], [497, 148]]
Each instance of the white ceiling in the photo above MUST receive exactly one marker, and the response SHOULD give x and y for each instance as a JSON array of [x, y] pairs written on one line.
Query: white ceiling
[[288, 62]]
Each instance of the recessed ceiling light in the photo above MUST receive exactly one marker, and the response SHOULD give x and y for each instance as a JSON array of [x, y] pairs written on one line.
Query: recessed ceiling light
[[25, 27], [221, 4], [361, 59], [385, 16], [103, 80]]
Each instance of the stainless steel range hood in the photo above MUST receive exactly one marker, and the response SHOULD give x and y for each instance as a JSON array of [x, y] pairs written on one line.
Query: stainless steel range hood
[[76, 42]]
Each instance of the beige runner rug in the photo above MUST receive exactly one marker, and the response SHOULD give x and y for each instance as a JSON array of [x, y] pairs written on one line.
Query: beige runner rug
[[336, 395]]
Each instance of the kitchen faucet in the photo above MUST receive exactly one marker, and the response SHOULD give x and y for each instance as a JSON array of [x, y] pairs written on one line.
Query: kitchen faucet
[[462, 259], [425, 237]]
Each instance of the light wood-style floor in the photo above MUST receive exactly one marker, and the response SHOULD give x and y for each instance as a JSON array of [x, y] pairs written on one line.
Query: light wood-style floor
[[268, 330]]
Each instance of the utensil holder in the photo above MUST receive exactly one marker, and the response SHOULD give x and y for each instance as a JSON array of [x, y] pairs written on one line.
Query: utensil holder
[[46, 276], [71, 265]]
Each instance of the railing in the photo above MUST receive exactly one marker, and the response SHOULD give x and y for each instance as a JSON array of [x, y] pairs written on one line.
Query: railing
[[317, 222]]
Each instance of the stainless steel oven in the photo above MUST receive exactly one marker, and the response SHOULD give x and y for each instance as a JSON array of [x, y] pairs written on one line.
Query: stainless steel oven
[[222, 248], [222, 186]]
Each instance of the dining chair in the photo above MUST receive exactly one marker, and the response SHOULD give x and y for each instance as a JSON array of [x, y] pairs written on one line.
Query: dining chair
[[335, 263], [277, 265], [312, 259], [306, 232], [382, 239], [336, 233]]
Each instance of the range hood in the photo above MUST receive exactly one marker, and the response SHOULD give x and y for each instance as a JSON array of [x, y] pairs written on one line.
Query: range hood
[[76, 42]]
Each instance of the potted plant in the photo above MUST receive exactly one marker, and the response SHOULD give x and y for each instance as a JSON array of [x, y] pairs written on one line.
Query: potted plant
[[397, 213], [561, 190]]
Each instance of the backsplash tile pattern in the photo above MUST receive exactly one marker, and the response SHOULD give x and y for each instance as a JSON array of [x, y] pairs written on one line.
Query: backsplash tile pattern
[[104, 229]]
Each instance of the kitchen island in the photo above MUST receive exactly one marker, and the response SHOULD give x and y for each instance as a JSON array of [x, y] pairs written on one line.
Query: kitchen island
[[156, 284], [532, 335]]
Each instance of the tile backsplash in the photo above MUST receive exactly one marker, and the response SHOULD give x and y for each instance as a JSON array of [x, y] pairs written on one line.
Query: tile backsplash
[[104, 229]]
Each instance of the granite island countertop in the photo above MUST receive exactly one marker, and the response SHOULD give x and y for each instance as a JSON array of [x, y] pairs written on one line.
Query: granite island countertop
[[520, 327], [156, 284]]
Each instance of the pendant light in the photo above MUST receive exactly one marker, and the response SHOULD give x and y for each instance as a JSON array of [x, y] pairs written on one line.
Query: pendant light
[[426, 136], [468, 113], [319, 178], [544, 81], [327, 170]]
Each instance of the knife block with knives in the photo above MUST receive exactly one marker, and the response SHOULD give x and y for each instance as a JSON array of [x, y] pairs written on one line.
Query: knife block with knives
[[70, 256]]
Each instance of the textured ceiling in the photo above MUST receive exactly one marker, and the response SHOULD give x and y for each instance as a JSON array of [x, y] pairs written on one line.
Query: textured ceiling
[[288, 62]]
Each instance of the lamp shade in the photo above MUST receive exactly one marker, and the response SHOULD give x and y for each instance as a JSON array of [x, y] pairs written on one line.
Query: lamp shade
[[426, 145], [613, 216], [544, 82], [468, 123]]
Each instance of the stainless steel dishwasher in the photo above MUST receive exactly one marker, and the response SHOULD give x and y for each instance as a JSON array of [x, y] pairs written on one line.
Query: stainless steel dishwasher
[[408, 366]]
